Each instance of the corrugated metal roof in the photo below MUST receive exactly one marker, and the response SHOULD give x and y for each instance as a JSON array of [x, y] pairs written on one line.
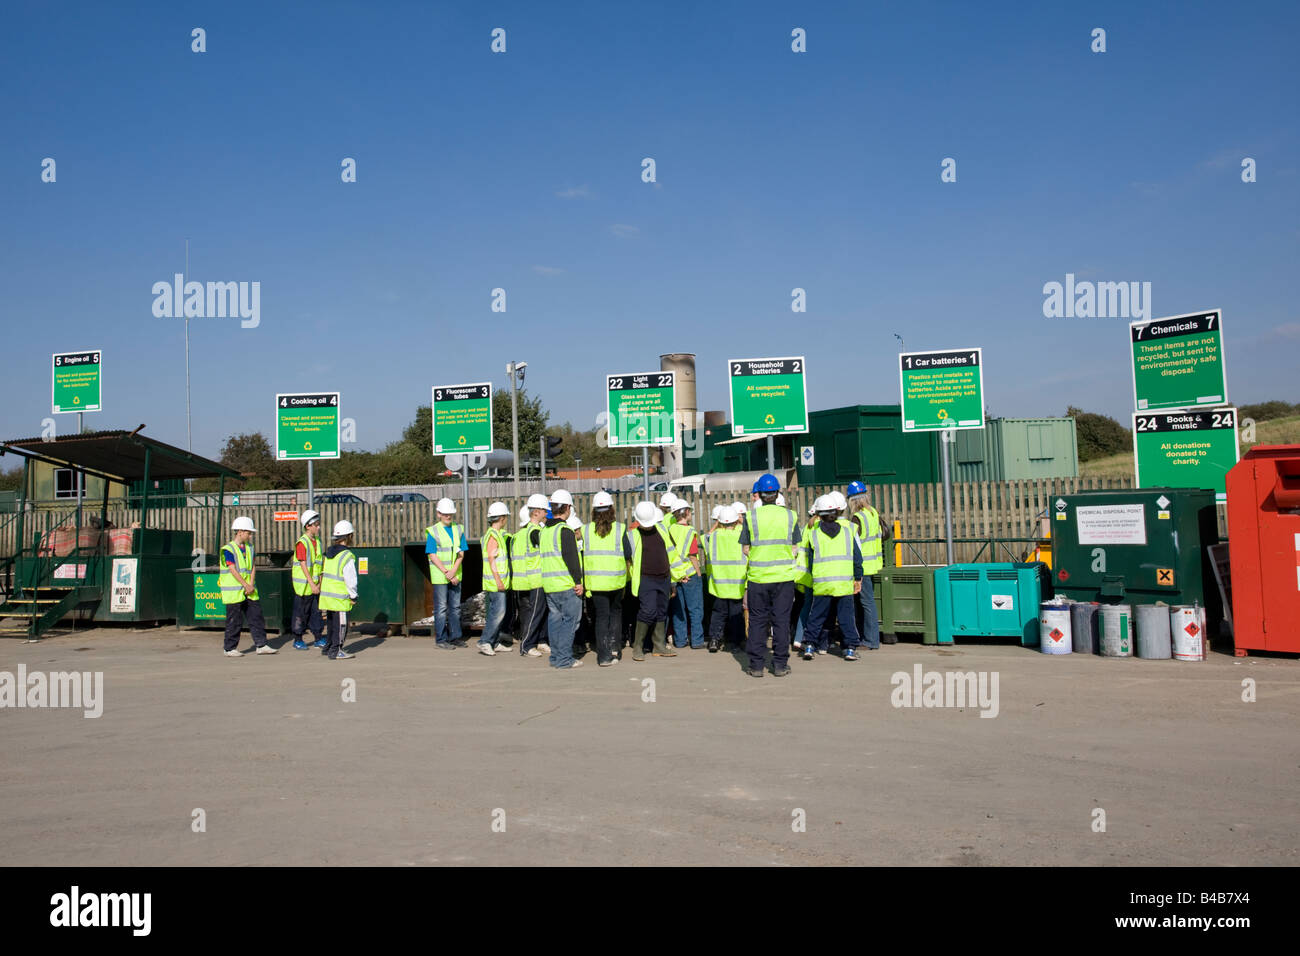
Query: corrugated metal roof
[[121, 454]]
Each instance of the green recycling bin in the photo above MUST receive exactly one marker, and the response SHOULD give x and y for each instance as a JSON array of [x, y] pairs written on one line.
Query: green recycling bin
[[906, 602], [198, 598]]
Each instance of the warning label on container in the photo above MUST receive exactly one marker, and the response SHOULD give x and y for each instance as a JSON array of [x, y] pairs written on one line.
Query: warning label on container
[[1004, 602], [1111, 524]]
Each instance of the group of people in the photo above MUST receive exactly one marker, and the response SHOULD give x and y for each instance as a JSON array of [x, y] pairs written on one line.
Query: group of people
[[653, 585]]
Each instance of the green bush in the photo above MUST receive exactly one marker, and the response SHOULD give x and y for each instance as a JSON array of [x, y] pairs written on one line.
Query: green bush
[[1099, 436]]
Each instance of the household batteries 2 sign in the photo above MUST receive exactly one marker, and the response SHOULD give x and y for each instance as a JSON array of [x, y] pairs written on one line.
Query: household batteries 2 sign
[[307, 425], [1178, 362], [768, 396], [942, 389], [1192, 449], [77, 382], [642, 409], [462, 418]]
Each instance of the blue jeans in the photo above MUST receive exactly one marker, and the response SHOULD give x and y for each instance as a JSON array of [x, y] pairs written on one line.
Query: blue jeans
[[563, 610], [819, 634], [496, 613], [689, 600], [802, 623], [446, 612], [870, 619]]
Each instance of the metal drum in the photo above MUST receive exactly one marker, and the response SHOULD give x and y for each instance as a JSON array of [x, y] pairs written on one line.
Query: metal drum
[[1187, 626], [1054, 628], [1083, 627], [1116, 630], [1153, 632]]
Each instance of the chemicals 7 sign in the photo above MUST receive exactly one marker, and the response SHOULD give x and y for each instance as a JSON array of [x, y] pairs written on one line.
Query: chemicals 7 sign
[[1192, 449], [77, 382], [768, 396], [307, 426], [942, 390], [642, 409], [462, 418], [1178, 362]]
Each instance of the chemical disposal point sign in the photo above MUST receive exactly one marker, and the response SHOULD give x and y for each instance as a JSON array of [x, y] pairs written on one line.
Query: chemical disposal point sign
[[1191, 449], [942, 389], [77, 382], [768, 396], [642, 409], [307, 425], [1178, 362], [462, 418]]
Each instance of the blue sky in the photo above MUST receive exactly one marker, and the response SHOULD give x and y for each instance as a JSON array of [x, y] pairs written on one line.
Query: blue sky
[[522, 171]]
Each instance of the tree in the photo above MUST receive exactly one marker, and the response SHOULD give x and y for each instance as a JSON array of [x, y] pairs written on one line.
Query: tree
[[1263, 411], [1098, 435], [250, 455], [11, 480]]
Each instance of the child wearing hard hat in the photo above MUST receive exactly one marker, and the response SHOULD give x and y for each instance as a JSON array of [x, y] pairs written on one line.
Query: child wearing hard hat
[[527, 578], [561, 581], [686, 607], [445, 544], [726, 561], [238, 583], [654, 565], [605, 576], [834, 559], [496, 576], [308, 557], [338, 589]]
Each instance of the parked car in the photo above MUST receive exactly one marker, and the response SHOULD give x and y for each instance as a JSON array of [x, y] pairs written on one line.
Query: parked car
[[658, 487], [401, 497], [339, 498]]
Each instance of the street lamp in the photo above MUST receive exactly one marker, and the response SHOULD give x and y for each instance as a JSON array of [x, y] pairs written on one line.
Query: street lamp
[[514, 369]]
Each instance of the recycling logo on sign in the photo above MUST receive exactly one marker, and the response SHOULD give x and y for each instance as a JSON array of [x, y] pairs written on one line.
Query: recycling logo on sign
[[943, 414], [769, 420], [306, 446], [640, 432], [76, 399], [461, 440]]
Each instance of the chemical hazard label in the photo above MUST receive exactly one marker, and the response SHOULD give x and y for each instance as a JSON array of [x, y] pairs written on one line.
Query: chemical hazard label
[[1056, 634], [1165, 576], [1192, 630]]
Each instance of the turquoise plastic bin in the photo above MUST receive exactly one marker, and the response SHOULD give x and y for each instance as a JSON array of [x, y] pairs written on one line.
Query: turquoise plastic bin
[[990, 600]]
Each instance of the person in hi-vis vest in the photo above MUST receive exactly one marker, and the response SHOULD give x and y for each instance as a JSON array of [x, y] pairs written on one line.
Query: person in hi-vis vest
[[444, 543], [238, 583], [726, 563], [338, 589], [831, 553], [605, 573], [308, 559], [770, 535], [496, 576], [871, 538], [526, 577]]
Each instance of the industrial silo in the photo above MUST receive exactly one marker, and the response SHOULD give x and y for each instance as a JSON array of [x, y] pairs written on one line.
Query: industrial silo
[[683, 364]]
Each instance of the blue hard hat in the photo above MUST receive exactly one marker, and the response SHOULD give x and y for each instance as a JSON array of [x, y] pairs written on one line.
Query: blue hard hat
[[855, 488], [549, 516], [767, 483]]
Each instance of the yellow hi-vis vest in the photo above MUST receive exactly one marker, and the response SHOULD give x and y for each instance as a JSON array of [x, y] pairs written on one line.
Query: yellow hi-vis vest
[[802, 576], [771, 555], [448, 540], [832, 564], [232, 592], [603, 565], [501, 562], [525, 560], [726, 563], [677, 568], [555, 573], [333, 588], [866, 523], [315, 561], [683, 535]]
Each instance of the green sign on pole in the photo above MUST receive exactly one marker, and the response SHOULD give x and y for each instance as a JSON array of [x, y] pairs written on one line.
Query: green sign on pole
[[77, 382], [642, 409], [307, 426], [769, 396], [1191, 449], [942, 390], [207, 597], [462, 418], [1178, 362]]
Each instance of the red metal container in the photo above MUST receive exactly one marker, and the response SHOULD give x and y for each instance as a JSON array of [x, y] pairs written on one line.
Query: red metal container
[[1264, 549]]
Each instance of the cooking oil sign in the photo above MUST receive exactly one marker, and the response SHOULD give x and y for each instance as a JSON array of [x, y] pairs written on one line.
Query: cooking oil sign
[[307, 426], [207, 597]]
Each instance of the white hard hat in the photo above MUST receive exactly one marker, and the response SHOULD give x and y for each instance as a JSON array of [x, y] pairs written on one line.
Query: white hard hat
[[667, 500], [647, 514], [523, 515], [562, 497], [242, 524], [739, 506], [309, 516], [574, 522], [603, 499], [813, 510], [681, 504], [819, 504], [727, 515], [780, 499], [838, 500], [717, 510], [537, 501], [659, 515], [446, 506], [498, 509], [343, 528]]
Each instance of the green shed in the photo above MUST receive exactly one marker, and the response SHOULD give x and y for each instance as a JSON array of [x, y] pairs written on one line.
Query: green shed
[[1009, 449], [864, 443]]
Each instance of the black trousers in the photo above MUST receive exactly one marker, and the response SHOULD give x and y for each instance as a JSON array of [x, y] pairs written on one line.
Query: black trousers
[[654, 599], [769, 604], [235, 616], [532, 619], [728, 620], [607, 615], [306, 615], [334, 630]]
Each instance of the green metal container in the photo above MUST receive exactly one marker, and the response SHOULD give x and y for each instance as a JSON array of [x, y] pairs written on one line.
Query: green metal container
[[197, 598], [1137, 547], [141, 586], [905, 602], [391, 585]]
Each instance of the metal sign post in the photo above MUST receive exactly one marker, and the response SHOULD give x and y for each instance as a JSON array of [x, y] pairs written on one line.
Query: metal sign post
[[464, 489], [645, 467], [946, 438], [311, 483], [771, 455]]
